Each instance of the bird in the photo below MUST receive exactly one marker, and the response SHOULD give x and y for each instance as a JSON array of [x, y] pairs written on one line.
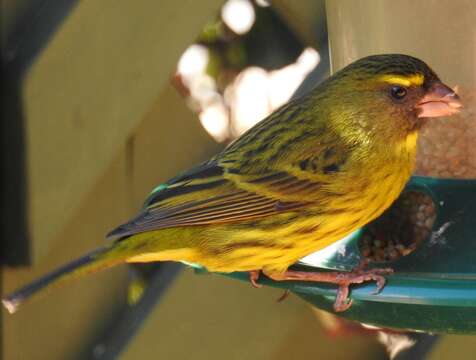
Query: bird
[[312, 172]]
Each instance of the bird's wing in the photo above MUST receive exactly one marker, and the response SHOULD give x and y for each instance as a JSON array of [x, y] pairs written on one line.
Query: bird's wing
[[273, 168], [204, 195]]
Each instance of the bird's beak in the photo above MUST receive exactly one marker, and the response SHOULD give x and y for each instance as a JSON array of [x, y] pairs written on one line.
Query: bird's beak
[[440, 100]]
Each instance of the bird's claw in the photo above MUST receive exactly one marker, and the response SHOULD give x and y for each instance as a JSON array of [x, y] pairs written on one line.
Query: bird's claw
[[254, 276], [360, 276], [284, 295]]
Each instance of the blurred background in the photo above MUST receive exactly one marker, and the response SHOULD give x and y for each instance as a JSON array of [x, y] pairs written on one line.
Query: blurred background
[[102, 101]]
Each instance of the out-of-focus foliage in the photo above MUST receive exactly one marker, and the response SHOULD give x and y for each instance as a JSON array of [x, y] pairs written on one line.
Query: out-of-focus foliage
[[247, 45]]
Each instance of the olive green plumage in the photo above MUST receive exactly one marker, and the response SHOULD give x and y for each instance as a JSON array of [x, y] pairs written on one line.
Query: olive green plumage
[[315, 170]]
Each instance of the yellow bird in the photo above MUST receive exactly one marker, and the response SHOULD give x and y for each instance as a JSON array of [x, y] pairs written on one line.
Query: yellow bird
[[309, 174]]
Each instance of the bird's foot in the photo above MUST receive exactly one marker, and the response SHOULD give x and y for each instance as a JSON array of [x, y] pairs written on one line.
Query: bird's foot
[[254, 276], [342, 279]]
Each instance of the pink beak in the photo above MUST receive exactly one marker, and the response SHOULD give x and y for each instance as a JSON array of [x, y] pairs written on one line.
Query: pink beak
[[439, 101]]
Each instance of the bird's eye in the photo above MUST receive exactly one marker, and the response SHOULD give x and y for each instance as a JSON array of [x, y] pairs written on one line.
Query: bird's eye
[[398, 92]]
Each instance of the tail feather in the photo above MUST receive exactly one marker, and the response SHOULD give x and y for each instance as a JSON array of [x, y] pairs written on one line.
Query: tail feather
[[92, 262]]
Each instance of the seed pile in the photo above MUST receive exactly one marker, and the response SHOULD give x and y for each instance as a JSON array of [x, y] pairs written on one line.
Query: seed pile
[[400, 229], [447, 145]]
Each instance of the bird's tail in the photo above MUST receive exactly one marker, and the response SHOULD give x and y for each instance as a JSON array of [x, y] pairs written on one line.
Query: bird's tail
[[90, 263]]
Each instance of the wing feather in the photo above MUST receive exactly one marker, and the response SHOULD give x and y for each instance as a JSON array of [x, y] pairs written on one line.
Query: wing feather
[[221, 201]]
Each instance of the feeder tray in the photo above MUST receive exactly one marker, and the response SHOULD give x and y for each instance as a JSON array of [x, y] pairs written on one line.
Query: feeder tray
[[433, 288]]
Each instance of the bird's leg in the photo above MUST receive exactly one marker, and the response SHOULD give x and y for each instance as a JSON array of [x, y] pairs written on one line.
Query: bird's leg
[[342, 279], [254, 276]]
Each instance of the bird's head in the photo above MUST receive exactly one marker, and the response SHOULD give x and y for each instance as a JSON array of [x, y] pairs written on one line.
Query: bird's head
[[390, 95]]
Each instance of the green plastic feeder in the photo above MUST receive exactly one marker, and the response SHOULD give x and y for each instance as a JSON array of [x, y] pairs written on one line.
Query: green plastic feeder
[[433, 288]]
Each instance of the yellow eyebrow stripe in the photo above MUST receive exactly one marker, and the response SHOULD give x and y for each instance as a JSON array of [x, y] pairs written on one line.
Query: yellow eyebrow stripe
[[415, 80]]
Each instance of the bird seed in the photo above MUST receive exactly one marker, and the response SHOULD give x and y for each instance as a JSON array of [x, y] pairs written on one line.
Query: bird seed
[[400, 229]]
